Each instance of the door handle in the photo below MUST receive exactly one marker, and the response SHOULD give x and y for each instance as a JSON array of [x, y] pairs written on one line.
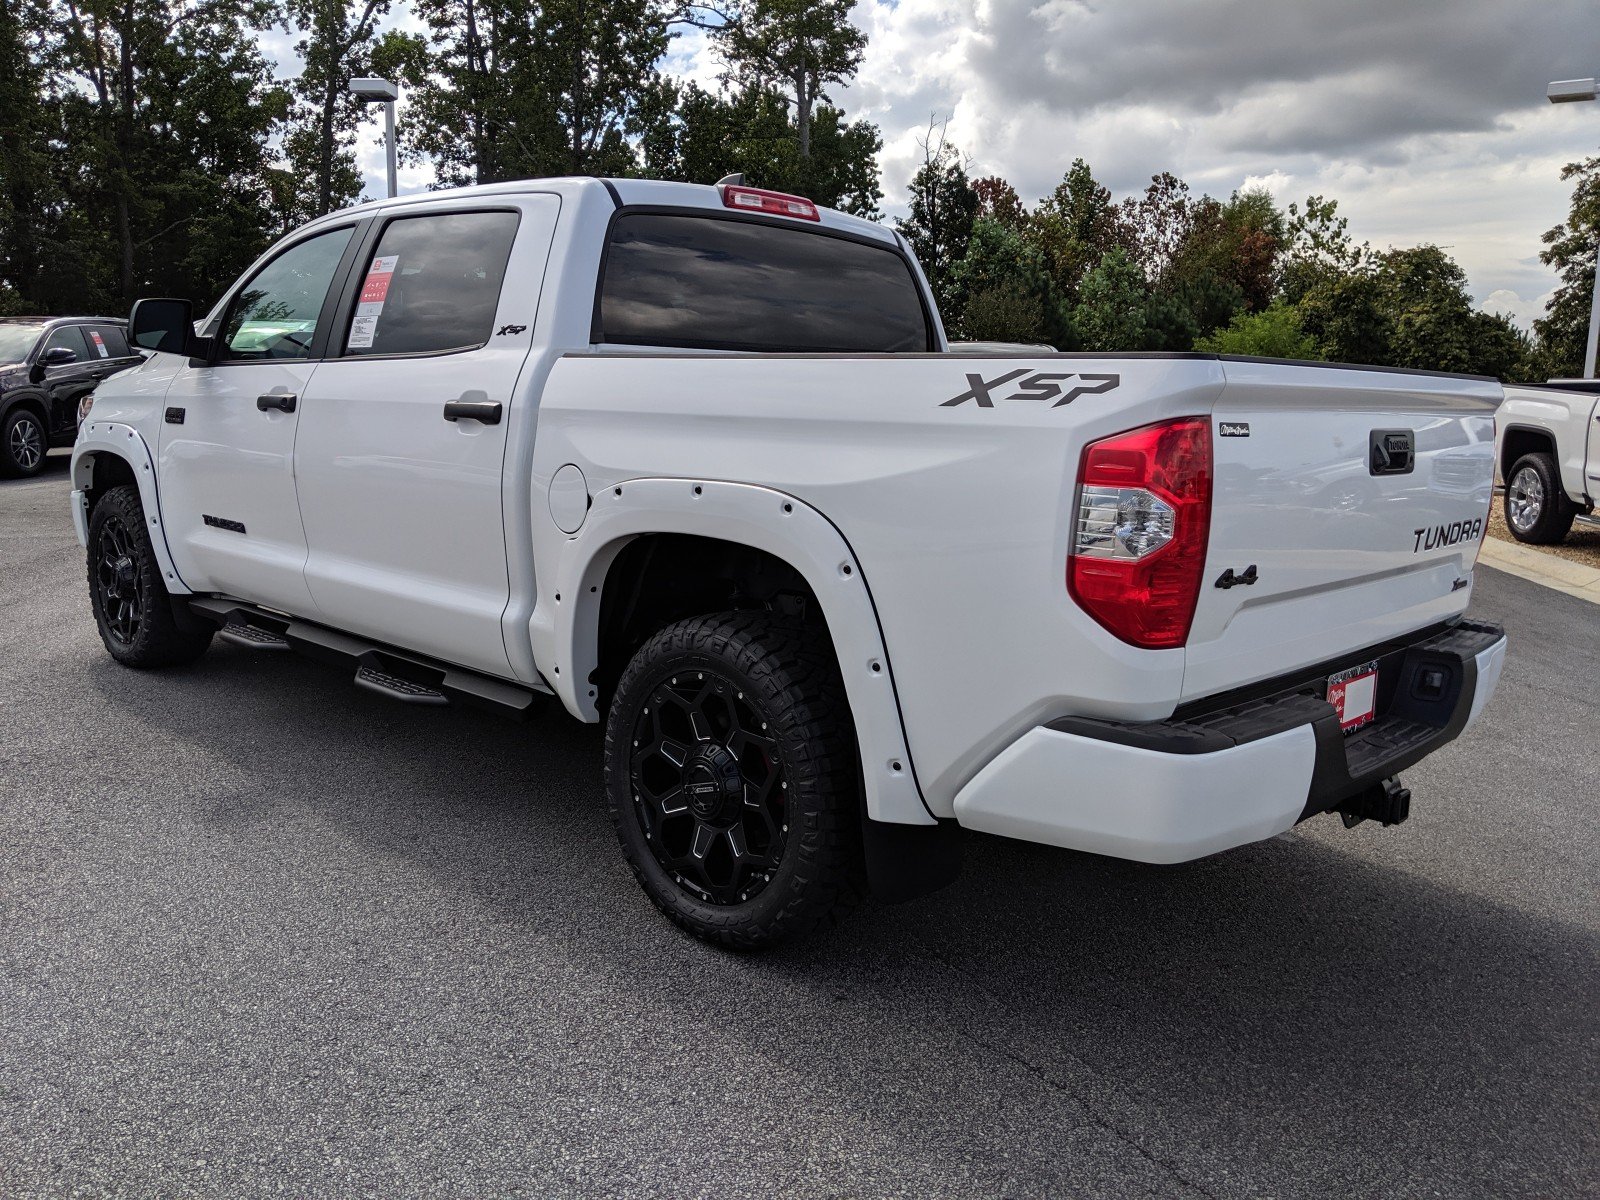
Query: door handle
[[487, 411], [282, 401]]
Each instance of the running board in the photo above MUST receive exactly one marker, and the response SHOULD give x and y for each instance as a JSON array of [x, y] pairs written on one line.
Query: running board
[[398, 674]]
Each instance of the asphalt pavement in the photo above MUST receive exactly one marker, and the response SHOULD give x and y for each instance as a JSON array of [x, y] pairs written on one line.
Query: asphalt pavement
[[262, 932]]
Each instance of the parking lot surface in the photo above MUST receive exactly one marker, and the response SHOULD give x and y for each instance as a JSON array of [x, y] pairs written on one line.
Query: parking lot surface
[[262, 932]]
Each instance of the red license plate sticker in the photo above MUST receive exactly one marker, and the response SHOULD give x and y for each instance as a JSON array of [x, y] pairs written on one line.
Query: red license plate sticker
[[1354, 694]]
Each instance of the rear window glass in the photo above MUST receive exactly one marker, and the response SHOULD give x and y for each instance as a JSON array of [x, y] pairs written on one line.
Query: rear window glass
[[107, 341], [717, 284], [433, 284]]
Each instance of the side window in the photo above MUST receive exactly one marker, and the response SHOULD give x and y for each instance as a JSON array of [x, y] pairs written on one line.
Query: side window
[[70, 336], [433, 284], [106, 341], [275, 313]]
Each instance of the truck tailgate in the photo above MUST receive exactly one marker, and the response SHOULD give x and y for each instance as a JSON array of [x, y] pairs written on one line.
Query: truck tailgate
[[1351, 502]]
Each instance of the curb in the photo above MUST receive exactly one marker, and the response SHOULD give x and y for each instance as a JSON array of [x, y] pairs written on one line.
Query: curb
[[1536, 567]]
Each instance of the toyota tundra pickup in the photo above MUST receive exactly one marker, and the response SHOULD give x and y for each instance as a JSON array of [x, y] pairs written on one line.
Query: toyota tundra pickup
[[698, 463], [1548, 450]]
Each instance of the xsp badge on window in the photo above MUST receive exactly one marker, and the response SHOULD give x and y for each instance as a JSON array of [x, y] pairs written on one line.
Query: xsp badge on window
[[1039, 385]]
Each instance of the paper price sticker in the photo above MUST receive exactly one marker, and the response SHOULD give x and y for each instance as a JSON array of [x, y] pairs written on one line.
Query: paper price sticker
[[99, 344], [369, 306]]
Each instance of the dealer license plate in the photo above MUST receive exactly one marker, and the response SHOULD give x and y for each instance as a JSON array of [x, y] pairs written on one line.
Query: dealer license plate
[[1354, 693]]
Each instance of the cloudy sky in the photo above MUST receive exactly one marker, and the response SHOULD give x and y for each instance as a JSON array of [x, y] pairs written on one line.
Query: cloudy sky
[[1426, 119]]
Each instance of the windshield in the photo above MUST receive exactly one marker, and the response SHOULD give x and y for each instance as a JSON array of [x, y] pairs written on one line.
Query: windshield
[[16, 341]]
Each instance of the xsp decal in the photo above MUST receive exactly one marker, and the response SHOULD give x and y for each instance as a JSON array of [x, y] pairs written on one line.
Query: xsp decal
[[511, 329], [1039, 385], [1452, 534]]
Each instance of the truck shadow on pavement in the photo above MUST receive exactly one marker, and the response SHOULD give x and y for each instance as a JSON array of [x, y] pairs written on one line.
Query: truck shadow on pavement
[[1288, 1017]]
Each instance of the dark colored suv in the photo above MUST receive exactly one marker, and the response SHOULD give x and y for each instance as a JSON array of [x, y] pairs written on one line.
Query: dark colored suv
[[48, 365]]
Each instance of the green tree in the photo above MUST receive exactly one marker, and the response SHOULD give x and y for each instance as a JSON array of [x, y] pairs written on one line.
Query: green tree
[[508, 89], [165, 111], [797, 47], [30, 195], [1075, 226], [1274, 332], [1570, 249], [336, 44], [1112, 300], [942, 204], [1006, 292]]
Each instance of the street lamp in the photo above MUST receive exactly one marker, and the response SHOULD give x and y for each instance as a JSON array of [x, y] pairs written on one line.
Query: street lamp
[[371, 90], [1566, 91]]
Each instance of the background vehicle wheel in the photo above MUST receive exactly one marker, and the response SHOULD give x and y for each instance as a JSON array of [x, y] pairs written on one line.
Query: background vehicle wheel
[[23, 443], [131, 605], [1537, 510], [732, 777]]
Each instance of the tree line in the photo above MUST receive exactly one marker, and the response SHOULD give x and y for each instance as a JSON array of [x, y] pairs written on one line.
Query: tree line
[[152, 147]]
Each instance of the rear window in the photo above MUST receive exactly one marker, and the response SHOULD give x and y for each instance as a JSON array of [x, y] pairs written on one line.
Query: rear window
[[107, 341], [719, 284]]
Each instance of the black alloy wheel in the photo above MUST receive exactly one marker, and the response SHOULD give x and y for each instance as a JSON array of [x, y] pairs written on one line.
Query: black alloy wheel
[[709, 787], [116, 581], [734, 780], [138, 622]]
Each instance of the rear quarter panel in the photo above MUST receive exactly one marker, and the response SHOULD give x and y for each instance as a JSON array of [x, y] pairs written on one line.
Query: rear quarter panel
[[958, 510]]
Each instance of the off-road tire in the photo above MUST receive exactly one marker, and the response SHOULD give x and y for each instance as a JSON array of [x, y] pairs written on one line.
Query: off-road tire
[[1547, 520], [16, 426], [785, 672], [156, 637]]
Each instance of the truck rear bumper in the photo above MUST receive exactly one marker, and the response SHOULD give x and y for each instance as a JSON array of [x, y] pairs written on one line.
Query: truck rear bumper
[[1236, 768]]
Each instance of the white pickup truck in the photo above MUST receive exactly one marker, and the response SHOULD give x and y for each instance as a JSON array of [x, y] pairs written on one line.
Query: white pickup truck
[[698, 462], [1547, 446]]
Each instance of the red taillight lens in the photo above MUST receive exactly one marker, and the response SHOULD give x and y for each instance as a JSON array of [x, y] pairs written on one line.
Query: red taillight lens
[[776, 203], [1144, 518]]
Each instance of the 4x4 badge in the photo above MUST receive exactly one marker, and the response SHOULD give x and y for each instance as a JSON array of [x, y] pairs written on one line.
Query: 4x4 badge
[[1040, 385]]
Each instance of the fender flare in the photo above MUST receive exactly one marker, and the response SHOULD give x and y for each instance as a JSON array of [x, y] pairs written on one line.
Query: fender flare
[[565, 625], [124, 442]]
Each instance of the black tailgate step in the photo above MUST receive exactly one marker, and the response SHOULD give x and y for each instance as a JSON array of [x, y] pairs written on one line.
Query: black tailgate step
[[397, 688], [251, 636]]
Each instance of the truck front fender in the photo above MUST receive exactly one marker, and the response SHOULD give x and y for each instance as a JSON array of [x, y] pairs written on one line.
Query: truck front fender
[[113, 439], [565, 626]]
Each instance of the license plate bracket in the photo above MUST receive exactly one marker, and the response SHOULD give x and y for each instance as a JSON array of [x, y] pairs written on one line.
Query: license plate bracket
[[1354, 696]]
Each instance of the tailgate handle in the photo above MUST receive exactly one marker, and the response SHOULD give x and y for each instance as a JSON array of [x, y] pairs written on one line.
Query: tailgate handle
[[1391, 452]]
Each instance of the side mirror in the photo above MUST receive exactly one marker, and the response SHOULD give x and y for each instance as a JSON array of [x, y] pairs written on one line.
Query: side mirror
[[56, 356], [165, 325]]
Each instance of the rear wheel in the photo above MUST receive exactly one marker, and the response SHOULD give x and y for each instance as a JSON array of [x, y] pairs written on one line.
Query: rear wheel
[[132, 607], [23, 443], [732, 778], [1537, 510]]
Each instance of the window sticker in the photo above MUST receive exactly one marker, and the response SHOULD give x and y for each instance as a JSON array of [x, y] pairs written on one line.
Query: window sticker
[[99, 344], [374, 290]]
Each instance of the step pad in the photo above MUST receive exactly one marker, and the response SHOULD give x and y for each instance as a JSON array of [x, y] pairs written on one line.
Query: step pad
[[251, 636], [397, 688]]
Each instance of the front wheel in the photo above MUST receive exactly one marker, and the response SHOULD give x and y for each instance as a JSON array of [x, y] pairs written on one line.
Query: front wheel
[[131, 605], [23, 443], [732, 778], [1537, 510]]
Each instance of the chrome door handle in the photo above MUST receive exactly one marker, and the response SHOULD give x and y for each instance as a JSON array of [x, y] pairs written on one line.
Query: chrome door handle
[[487, 411], [282, 401]]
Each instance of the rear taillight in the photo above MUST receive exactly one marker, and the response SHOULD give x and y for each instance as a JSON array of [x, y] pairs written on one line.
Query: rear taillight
[[776, 203], [1144, 518]]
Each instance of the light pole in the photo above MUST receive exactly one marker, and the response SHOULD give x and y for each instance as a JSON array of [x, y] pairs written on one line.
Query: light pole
[[1565, 91], [372, 90]]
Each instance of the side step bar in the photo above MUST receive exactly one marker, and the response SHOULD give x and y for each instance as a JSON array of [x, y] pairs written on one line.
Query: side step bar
[[398, 674]]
